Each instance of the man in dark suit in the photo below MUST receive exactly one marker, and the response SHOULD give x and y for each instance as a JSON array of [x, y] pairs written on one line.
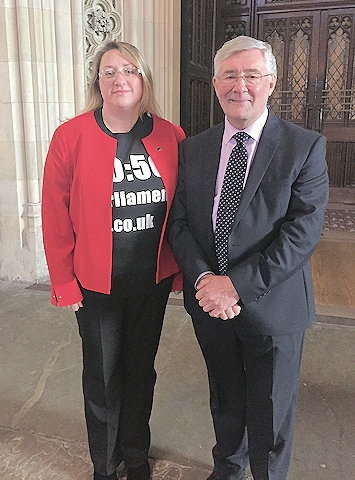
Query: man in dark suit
[[249, 290]]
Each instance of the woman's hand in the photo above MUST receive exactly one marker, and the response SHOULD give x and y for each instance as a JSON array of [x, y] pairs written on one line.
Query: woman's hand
[[74, 307]]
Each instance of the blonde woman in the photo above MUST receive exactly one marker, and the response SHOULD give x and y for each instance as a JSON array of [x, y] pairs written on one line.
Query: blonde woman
[[109, 180]]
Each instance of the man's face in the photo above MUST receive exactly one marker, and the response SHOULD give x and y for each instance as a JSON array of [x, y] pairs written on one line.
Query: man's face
[[243, 103]]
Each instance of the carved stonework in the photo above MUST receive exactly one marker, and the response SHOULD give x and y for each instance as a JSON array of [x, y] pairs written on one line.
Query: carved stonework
[[103, 22]]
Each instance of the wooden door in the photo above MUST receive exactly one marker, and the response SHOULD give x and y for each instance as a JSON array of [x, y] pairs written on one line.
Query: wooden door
[[315, 53], [197, 47], [314, 45]]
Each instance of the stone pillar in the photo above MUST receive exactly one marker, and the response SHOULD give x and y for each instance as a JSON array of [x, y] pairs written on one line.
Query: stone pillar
[[42, 72]]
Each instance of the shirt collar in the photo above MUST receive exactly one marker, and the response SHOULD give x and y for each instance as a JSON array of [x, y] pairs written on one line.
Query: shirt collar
[[254, 130]]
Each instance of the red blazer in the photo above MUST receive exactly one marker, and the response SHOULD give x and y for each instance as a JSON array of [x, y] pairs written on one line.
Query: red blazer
[[76, 204]]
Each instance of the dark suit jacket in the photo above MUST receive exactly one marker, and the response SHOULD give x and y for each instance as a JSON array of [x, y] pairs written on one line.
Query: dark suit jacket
[[276, 228]]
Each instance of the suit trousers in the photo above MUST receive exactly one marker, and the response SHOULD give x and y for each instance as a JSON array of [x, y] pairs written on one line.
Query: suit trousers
[[120, 337], [253, 382]]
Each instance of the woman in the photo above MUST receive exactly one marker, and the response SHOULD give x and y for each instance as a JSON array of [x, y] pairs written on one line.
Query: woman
[[109, 181]]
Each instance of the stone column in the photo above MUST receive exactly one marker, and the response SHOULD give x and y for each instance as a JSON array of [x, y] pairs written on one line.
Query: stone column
[[42, 72]]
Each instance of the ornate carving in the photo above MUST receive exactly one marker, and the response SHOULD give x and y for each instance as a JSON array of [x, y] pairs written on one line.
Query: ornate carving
[[288, 27], [234, 29], [103, 22]]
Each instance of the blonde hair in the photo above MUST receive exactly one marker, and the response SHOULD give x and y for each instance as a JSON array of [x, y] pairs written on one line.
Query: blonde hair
[[131, 53]]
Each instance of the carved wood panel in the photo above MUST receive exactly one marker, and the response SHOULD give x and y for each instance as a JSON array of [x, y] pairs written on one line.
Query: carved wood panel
[[315, 57], [197, 40]]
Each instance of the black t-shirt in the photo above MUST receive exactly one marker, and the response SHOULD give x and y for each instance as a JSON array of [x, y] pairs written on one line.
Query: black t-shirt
[[138, 209]]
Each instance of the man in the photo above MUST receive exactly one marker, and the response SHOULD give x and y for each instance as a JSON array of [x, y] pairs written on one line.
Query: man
[[249, 290]]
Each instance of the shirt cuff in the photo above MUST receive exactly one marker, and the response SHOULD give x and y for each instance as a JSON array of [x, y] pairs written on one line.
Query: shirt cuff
[[200, 277]]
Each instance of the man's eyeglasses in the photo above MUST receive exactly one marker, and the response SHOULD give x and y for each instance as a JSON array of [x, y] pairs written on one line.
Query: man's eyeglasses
[[109, 74], [230, 79]]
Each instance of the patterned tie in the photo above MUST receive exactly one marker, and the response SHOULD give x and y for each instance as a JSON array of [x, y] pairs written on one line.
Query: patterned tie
[[230, 197]]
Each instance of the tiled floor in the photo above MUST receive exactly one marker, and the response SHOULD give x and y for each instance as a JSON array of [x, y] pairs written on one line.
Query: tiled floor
[[42, 432]]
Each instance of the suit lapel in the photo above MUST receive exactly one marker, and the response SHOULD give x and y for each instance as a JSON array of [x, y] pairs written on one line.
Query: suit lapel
[[266, 149], [210, 155]]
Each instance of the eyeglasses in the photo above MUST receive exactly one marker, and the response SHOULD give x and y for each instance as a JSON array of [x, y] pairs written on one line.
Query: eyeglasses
[[229, 79], [109, 74]]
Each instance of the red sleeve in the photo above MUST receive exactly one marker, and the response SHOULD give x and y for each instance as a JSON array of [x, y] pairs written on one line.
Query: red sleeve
[[58, 235], [68, 294], [177, 282]]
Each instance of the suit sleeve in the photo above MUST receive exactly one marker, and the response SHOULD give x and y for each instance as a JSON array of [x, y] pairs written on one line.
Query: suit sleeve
[[294, 236], [186, 249]]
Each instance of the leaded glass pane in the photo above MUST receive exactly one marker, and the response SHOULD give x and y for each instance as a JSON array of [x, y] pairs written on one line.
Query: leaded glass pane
[[290, 96]]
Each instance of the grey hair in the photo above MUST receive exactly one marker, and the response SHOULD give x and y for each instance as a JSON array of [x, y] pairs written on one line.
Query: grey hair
[[245, 43]]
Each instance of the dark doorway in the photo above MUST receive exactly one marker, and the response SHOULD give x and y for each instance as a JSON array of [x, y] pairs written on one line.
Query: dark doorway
[[197, 50]]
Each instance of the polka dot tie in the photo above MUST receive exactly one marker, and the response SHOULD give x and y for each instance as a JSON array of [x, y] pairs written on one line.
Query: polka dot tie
[[230, 197]]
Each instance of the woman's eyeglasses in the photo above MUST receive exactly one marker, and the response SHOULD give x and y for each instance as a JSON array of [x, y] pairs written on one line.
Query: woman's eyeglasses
[[109, 74]]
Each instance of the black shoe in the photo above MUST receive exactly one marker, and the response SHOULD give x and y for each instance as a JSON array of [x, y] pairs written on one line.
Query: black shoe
[[223, 475], [99, 476], [139, 473]]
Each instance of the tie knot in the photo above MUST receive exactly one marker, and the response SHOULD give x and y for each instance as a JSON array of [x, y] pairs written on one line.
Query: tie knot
[[241, 137]]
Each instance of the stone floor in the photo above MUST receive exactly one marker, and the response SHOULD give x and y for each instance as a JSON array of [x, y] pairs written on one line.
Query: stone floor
[[339, 218], [42, 429]]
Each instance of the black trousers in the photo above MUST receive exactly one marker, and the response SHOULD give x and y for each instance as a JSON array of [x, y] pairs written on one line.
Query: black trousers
[[120, 338], [253, 383]]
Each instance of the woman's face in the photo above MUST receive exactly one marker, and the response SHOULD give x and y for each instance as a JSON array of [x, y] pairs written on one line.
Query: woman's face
[[120, 82]]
